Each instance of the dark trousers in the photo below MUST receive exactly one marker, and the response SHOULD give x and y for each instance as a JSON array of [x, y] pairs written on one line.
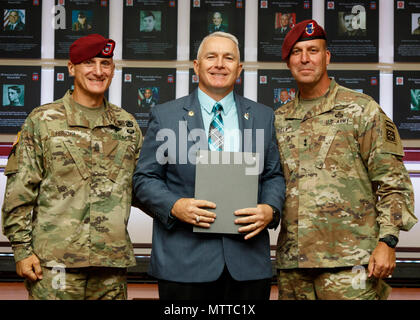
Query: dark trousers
[[224, 288]]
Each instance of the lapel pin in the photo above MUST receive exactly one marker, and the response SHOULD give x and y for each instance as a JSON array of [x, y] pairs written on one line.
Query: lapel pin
[[191, 113], [246, 116]]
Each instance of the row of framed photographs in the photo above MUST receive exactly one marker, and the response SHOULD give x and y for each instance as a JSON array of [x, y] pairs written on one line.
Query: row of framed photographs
[[144, 88], [150, 27]]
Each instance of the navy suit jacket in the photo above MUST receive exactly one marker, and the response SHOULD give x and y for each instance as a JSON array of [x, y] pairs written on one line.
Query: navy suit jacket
[[179, 254]]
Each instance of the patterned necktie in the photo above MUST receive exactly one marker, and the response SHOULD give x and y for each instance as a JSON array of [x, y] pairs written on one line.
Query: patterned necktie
[[216, 129]]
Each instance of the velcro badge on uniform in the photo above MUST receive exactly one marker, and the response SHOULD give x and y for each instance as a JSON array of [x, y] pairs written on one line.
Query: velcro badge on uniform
[[12, 162], [390, 129], [390, 137]]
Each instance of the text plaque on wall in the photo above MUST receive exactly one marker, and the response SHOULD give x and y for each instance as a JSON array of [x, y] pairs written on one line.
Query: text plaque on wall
[[363, 81], [275, 19], [20, 35], [275, 87], [407, 31], [352, 30], [150, 29], [406, 110], [145, 88], [208, 16], [77, 18], [20, 92]]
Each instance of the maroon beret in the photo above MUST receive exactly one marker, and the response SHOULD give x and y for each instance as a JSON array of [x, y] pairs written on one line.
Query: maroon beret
[[90, 46], [305, 30]]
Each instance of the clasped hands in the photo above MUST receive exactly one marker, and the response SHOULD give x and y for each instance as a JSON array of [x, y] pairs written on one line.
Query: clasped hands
[[193, 211]]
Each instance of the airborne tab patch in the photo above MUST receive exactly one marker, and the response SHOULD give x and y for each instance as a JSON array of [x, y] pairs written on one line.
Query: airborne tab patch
[[391, 142], [390, 131]]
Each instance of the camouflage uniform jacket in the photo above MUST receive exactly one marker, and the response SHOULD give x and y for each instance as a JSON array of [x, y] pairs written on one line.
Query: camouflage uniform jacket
[[68, 192], [346, 184]]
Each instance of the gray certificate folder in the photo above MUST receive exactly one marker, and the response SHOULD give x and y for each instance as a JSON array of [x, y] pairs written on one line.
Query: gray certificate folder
[[229, 179]]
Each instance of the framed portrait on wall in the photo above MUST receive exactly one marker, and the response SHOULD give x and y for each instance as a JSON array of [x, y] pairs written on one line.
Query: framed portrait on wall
[[144, 88], [20, 32], [276, 87], [208, 16], [406, 106], [150, 29], [275, 20], [75, 19], [363, 81], [352, 28], [407, 31], [20, 90]]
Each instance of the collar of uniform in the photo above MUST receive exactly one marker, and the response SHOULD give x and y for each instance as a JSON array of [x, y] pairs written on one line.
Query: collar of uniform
[[76, 118], [325, 106]]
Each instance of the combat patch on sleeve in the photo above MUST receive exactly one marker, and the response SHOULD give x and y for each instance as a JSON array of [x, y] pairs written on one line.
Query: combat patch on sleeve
[[391, 139], [12, 161], [390, 132]]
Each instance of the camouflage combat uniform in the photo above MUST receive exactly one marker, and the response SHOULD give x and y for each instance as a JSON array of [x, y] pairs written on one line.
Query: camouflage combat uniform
[[68, 193], [346, 184]]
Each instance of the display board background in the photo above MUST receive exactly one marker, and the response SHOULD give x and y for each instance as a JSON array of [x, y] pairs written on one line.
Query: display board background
[[141, 42], [352, 29], [25, 40], [140, 226], [23, 83], [407, 31]]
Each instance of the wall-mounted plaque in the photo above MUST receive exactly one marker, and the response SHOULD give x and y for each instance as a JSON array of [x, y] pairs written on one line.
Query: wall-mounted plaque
[[208, 16], [275, 19], [144, 88], [150, 29], [406, 111], [407, 31], [77, 18], [20, 32], [352, 30], [364, 81], [276, 87], [20, 92]]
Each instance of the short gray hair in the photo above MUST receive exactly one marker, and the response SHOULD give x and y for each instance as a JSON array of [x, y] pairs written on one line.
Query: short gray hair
[[221, 35]]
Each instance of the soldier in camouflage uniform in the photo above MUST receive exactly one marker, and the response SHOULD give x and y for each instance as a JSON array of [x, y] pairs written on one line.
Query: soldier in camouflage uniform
[[69, 180], [348, 193]]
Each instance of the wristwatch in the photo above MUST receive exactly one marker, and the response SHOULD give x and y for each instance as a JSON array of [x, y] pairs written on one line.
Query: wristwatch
[[390, 240], [276, 218]]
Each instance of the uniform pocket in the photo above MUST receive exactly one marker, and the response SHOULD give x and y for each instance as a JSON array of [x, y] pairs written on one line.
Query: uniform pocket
[[325, 147], [117, 162], [66, 161]]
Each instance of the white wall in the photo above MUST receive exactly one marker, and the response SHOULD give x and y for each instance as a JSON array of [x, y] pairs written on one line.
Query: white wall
[[140, 225]]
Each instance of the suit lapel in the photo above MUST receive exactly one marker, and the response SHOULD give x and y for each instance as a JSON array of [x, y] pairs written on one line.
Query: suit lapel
[[245, 121], [193, 112]]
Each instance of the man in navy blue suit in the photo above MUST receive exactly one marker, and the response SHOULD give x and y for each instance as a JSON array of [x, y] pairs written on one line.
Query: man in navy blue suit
[[192, 265]]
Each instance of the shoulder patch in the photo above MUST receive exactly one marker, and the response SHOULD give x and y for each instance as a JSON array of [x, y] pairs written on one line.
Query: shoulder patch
[[12, 161], [390, 131], [390, 137]]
